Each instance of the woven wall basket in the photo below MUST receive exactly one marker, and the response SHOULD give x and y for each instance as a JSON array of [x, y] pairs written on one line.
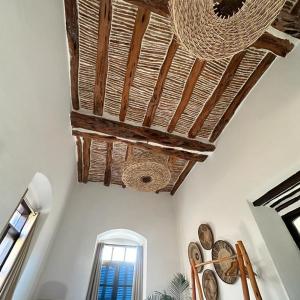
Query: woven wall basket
[[146, 172], [212, 31]]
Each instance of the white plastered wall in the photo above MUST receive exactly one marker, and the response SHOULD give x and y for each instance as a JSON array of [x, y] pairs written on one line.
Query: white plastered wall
[[93, 209], [35, 133], [258, 149]]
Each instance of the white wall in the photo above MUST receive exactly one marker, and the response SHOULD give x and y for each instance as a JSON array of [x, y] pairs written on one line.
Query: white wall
[[93, 209], [258, 149], [283, 249], [35, 132]]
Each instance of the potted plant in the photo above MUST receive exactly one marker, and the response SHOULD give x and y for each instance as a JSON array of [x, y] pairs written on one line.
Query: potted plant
[[179, 289]]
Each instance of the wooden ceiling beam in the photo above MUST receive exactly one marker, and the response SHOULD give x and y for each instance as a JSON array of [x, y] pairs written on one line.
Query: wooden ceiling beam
[[140, 26], [105, 16], [107, 174], [182, 176], [250, 83], [153, 148], [280, 47], [72, 34], [86, 158], [137, 133], [79, 158], [187, 92], [160, 7], [217, 94], [153, 103], [278, 190]]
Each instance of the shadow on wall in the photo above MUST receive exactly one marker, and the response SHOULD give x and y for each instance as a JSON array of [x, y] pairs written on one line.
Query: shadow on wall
[[57, 290]]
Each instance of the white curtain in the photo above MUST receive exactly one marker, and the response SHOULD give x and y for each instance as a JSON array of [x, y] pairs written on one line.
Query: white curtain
[[11, 271], [137, 290], [92, 293]]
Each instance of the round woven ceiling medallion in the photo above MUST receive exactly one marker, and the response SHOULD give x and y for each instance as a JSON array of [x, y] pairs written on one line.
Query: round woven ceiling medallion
[[146, 172], [214, 30]]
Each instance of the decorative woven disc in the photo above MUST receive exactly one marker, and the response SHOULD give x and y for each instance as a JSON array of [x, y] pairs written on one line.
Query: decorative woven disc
[[210, 285], [213, 30], [195, 255], [146, 172], [228, 269], [205, 236]]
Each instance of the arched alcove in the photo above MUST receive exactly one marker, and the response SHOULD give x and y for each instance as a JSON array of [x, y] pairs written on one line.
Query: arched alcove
[[39, 193], [122, 236]]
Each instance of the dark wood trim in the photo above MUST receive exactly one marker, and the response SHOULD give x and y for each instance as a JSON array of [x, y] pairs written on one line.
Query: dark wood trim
[[160, 7], [72, 34], [140, 26], [217, 94], [105, 16], [280, 47], [136, 133], [153, 148], [287, 204], [153, 103], [107, 175], [79, 158], [182, 176], [278, 190], [289, 195], [86, 159], [187, 92], [250, 83]]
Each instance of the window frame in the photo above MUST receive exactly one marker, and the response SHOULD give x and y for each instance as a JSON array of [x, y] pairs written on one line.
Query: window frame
[[288, 219], [11, 231], [117, 265]]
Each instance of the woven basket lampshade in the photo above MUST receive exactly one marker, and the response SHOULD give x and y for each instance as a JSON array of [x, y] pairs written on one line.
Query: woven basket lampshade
[[146, 172], [214, 30]]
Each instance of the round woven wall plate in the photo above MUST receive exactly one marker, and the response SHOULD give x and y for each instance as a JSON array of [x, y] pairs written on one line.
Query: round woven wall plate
[[226, 270], [205, 236], [195, 255], [213, 30], [210, 285]]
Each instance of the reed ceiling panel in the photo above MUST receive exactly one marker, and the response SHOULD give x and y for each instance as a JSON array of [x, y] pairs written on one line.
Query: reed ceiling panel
[[88, 20], [123, 18], [144, 79], [154, 48], [174, 85], [97, 161], [249, 63], [206, 84]]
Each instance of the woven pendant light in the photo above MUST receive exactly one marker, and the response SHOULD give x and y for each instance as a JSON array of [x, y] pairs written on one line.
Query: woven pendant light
[[146, 172], [214, 30]]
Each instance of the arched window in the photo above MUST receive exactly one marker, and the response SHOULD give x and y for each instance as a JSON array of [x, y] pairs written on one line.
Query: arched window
[[119, 266]]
